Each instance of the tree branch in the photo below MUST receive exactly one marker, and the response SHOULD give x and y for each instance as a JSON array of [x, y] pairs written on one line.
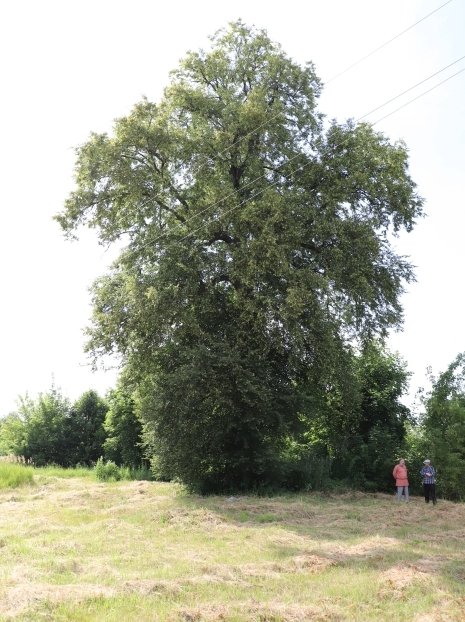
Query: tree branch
[[224, 237]]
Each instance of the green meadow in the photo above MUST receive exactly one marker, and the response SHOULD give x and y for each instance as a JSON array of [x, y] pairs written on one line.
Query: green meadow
[[76, 549]]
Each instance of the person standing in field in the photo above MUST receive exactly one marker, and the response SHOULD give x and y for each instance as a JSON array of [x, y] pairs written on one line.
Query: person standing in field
[[400, 474], [428, 474]]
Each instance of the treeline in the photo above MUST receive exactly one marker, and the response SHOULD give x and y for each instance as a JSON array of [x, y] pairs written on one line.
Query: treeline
[[52, 430], [438, 431], [358, 430]]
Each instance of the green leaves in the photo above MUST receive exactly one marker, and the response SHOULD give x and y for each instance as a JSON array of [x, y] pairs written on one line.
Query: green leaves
[[443, 428], [123, 444], [249, 228], [49, 430]]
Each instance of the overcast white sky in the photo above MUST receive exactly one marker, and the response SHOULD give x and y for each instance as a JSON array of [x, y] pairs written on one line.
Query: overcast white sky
[[71, 67]]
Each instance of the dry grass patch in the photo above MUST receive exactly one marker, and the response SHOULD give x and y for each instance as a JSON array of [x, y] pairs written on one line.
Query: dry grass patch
[[17, 599], [149, 587], [187, 518], [76, 550]]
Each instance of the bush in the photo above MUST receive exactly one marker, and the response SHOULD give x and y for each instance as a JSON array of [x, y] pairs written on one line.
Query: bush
[[142, 474], [15, 475], [304, 469], [107, 471], [110, 472]]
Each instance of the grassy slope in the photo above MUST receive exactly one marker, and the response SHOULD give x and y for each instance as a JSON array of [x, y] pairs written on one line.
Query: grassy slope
[[77, 550]]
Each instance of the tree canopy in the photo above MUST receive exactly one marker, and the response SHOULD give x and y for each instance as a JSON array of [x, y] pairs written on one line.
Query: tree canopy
[[257, 250], [51, 430], [375, 432], [442, 430]]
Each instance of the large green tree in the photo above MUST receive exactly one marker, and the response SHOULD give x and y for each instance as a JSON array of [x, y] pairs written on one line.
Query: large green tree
[[256, 247]]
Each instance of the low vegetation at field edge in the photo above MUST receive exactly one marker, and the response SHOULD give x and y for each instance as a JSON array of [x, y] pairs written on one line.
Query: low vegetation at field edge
[[15, 475], [80, 550]]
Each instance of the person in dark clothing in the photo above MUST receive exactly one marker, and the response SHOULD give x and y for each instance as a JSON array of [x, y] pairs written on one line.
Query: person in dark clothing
[[429, 482]]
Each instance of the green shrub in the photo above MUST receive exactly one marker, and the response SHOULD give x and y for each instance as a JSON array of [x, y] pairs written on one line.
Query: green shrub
[[107, 471], [110, 472], [143, 473], [14, 475]]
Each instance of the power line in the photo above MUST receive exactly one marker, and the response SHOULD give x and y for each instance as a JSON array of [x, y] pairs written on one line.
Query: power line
[[308, 163], [277, 115], [209, 207], [208, 160], [415, 98], [387, 42], [414, 87]]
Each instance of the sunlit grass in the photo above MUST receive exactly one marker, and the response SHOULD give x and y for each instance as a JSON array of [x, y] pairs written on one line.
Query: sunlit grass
[[15, 475], [124, 473], [146, 551], [58, 471]]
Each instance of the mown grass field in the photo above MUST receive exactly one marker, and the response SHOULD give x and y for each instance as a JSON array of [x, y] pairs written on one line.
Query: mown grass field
[[74, 549]]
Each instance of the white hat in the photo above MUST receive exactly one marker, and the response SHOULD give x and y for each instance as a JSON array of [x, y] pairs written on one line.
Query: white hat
[[425, 461]]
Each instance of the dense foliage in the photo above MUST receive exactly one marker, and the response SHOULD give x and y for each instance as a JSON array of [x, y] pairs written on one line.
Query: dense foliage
[[379, 427], [352, 438], [51, 430], [123, 444], [440, 434], [85, 428], [257, 250]]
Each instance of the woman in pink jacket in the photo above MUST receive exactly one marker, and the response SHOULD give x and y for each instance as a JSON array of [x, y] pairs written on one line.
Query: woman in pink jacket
[[400, 473]]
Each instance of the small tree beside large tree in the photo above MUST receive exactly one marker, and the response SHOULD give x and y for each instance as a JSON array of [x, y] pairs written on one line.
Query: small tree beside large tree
[[441, 434]]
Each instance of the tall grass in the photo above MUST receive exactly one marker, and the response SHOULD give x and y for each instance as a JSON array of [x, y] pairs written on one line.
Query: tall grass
[[102, 471], [54, 470], [15, 475], [110, 472]]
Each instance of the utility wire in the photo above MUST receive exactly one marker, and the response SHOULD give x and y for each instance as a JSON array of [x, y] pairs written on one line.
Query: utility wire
[[212, 160], [415, 98], [209, 207], [414, 86], [387, 42], [310, 162]]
